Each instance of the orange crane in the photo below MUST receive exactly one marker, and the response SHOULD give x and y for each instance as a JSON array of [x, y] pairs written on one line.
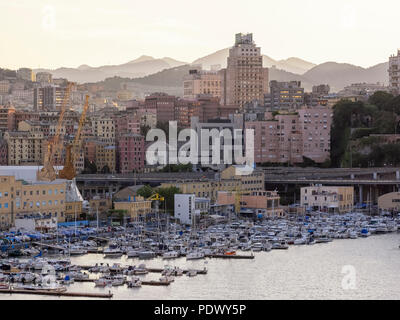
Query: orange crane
[[73, 150], [48, 173]]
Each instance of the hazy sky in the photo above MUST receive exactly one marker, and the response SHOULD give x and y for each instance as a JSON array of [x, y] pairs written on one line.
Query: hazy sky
[[54, 33]]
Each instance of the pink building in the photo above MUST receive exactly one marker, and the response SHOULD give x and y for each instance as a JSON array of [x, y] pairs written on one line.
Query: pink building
[[131, 152], [288, 137]]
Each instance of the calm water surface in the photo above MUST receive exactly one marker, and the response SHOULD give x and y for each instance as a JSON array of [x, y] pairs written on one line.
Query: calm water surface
[[301, 272]]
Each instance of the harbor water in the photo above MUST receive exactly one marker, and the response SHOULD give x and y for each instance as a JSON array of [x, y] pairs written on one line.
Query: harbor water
[[302, 272]]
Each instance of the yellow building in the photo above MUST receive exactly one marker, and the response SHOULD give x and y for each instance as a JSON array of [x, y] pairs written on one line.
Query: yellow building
[[19, 198], [327, 199], [254, 181], [229, 181], [138, 206], [105, 157], [73, 210], [389, 202]]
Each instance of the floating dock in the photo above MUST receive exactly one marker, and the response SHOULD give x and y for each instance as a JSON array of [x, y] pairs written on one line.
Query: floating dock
[[58, 293], [155, 283], [233, 256]]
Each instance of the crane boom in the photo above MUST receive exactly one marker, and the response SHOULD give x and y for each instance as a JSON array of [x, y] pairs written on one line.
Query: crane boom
[[72, 150], [47, 173]]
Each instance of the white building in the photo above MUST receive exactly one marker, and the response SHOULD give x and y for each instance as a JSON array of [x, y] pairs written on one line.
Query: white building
[[394, 73], [184, 208], [187, 206]]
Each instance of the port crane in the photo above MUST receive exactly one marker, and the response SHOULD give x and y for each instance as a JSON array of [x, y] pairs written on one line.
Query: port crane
[[72, 150], [48, 173]]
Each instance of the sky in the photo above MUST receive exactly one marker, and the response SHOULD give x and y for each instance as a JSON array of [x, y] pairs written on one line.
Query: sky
[[61, 33]]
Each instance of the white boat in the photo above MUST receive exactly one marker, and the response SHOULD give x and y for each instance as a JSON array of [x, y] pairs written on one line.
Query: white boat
[[166, 279], [170, 255], [194, 255], [191, 273], [141, 269], [77, 251], [146, 254], [118, 281], [112, 253], [116, 267], [132, 253], [135, 282], [280, 245], [102, 282], [300, 241], [256, 247]]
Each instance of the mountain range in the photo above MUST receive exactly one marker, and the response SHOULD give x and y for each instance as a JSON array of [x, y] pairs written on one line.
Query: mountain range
[[167, 72]]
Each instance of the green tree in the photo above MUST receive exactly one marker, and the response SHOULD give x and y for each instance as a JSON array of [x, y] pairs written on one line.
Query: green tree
[[169, 196], [146, 191]]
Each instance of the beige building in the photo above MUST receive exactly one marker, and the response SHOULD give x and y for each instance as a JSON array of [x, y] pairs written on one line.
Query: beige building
[[138, 206], [199, 82], [4, 86], [44, 77], [104, 129], [244, 78], [327, 199], [105, 157], [229, 181], [26, 144], [19, 198], [389, 202], [26, 74]]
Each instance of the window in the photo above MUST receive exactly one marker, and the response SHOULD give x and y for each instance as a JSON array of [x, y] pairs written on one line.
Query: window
[[6, 205]]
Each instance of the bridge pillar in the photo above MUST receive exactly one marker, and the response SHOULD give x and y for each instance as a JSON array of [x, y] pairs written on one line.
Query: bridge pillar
[[375, 175], [360, 193], [397, 175]]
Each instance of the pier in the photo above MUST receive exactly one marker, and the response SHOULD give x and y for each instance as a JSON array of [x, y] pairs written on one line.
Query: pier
[[58, 293], [234, 256]]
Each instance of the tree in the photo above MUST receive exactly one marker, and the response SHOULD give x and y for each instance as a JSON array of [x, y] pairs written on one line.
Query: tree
[[169, 196], [105, 169], [381, 99], [146, 191], [89, 167]]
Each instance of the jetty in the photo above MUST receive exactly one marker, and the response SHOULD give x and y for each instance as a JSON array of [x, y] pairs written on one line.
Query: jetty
[[233, 256], [58, 293]]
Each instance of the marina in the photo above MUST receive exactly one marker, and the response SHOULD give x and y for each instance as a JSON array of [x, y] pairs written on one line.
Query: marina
[[82, 267]]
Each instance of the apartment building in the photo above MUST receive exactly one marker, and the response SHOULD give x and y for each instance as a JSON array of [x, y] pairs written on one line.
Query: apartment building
[[164, 105], [330, 199], [25, 74], [49, 98], [4, 87], [202, 82], [7, 119], [25, 145], [287, 137], [244, 78], [104, 129], [105, 158], [394, 73], [131, 152], [284, 96], [44, 77]]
